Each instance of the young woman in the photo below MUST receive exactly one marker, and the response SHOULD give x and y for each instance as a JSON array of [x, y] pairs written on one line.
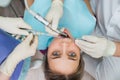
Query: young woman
[[77, 19]]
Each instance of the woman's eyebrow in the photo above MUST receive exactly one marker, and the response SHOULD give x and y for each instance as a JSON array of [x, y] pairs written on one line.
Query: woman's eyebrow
[[73, 59], [55, 57]]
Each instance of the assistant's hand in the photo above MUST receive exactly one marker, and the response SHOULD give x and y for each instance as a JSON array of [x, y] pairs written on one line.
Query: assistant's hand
[[27, 48], [24, 50], [54, 14], [13, 25], [96, 46]]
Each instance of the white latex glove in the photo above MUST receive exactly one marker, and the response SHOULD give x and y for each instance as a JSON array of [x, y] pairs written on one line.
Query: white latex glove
[[54, 15], [13, 25], [96, 46], [24, 50]]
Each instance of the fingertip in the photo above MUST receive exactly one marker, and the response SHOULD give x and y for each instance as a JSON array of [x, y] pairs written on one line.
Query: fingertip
[[29, 37], [27, 26], [62, 29], [22, 32], [77, 41], [55, 23], [23, 24], [36, 38], [90, 38], [35, 42], [48, 18], [84, 37], [25, 33]]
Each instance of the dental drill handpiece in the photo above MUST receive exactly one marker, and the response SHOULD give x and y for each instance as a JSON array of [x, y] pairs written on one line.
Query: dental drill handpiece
[[47, 24], [43, 20]]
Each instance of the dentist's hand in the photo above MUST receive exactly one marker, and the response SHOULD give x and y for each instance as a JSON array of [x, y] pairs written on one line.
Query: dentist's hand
[[24, 50], [13, 25], [96, 46], [54, 15]]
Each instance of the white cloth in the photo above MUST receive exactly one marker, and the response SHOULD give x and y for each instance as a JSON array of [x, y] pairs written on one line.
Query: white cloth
[[108, 18]]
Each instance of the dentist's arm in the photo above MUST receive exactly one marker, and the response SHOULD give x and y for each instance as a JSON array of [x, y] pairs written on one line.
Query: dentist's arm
[[24, 50], [98, 47]]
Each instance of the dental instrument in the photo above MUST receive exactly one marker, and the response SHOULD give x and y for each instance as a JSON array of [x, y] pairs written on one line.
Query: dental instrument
[[38, 32], [43, 20]]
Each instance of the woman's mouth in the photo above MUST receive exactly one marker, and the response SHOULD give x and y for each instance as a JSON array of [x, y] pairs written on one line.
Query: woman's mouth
[[68, 35], [65, 36]]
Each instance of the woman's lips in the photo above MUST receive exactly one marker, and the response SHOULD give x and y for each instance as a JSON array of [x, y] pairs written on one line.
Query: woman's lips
[[68, 34]]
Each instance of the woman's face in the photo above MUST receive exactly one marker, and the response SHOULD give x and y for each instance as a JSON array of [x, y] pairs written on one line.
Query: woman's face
[[63, 56]]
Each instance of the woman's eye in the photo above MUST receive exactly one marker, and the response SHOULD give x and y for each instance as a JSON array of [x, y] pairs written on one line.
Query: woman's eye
[[72, 54], [55, 53]]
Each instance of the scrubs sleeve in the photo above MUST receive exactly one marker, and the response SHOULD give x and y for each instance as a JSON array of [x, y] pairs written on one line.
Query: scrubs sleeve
[[113, 29], [105, 68], [108, 69]]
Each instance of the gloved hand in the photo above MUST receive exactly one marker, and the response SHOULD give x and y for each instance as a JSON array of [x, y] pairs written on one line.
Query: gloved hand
[[24, 50], [54, 15], [13, 25], [96, 46]]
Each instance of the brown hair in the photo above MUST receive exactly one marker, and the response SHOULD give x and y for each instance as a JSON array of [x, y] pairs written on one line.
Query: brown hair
[[49, 75]]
